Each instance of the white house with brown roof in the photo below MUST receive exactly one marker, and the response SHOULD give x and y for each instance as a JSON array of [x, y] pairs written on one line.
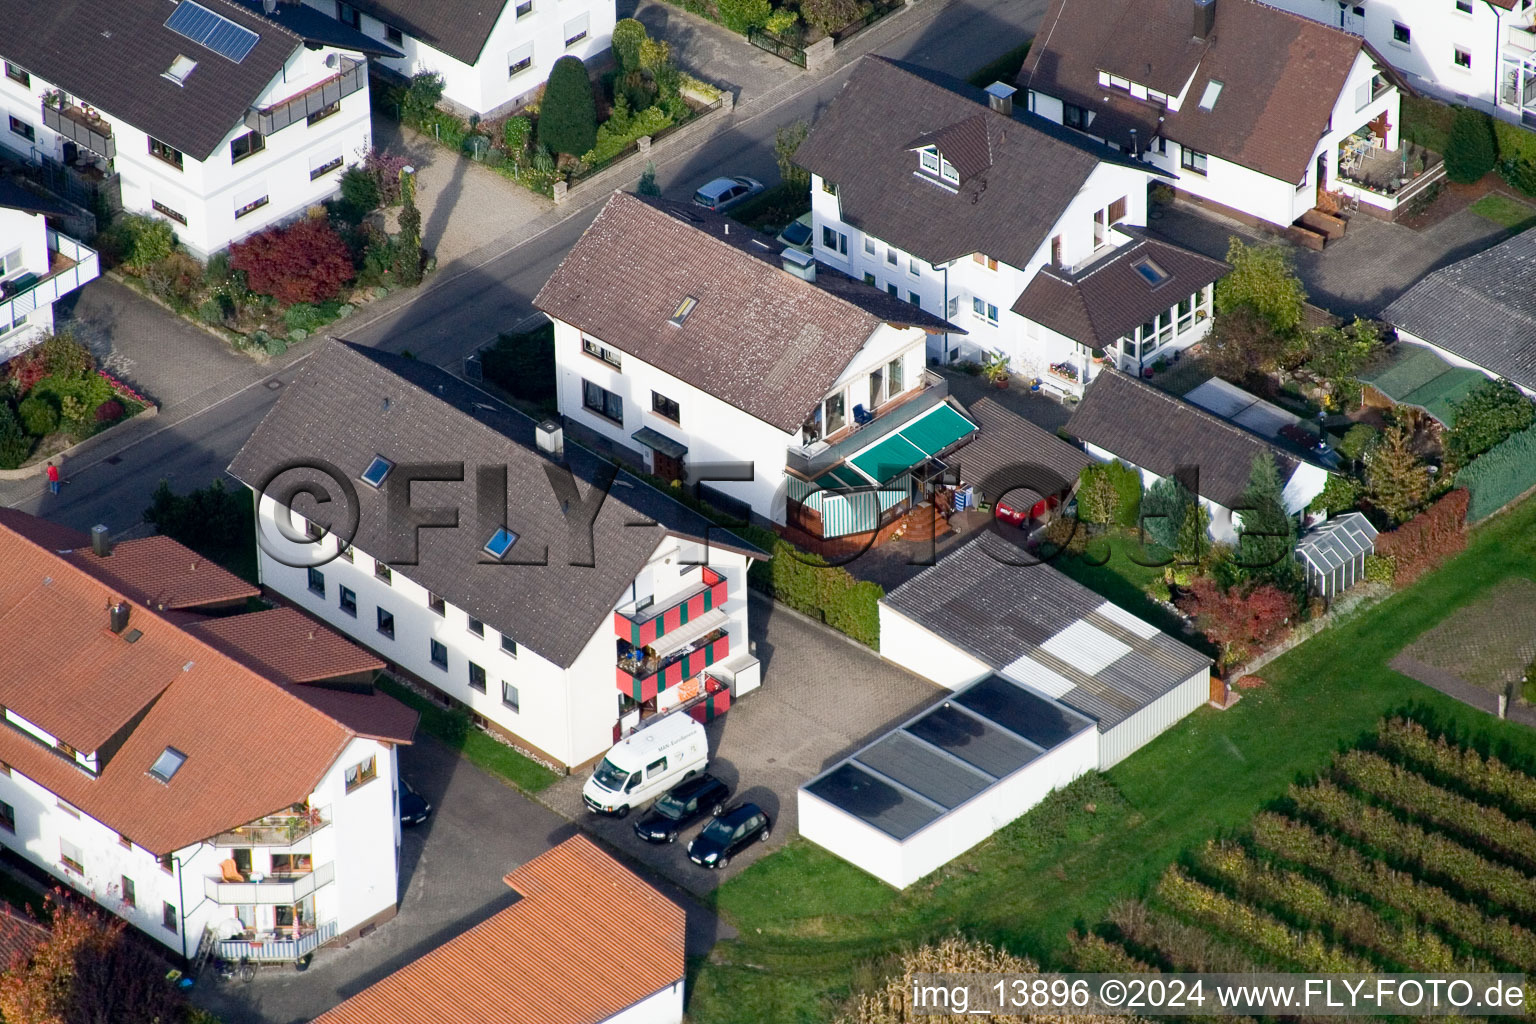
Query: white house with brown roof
[[587, 941], [204, 113], [949, 198], [1252, 109], [713, 348], [39, 264], [181, 777]]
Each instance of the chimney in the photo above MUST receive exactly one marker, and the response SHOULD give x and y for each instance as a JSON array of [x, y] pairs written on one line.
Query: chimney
[[1205, 18], [117, 617], [1000, 98], [100, 543], [550, 437], [802, 265]]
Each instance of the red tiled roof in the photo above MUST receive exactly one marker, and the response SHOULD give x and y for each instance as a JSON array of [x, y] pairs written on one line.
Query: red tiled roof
[[587, 939], [19, 935], [164, 574], [53, 536]]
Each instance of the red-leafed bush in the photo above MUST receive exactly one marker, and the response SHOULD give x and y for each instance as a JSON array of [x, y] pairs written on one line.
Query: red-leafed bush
[[1427, 539], [109, 411], [1239, 622], [304, 262]]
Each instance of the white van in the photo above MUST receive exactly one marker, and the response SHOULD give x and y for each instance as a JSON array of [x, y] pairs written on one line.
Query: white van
[[646, 764]]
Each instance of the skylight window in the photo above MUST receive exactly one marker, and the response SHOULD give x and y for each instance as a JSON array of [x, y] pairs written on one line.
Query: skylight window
[[683, 309], [1150, 272], [180, 68], [377, 470], [168, 764], [501, 542], [1212, 91]]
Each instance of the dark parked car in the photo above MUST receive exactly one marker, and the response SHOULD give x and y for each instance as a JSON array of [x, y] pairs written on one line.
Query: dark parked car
[[686, 804], [414, 808], [729, 834]]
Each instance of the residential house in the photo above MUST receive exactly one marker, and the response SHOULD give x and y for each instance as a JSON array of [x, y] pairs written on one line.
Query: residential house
[[1255, 111], [1480, 53], [39, 265], [946, 196], [1477, 312], [493, 56], [204, 113], [711, 347], [1150, 430], [586, 941], [570, 603], [208, 776]]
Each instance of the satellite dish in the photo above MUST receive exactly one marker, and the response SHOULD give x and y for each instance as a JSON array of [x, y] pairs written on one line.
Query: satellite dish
[[330, 60]]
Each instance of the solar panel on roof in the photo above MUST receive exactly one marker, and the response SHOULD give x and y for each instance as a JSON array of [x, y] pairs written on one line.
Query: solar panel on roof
[[974, 741], [214, 31], [871, 800], [1038, 720]]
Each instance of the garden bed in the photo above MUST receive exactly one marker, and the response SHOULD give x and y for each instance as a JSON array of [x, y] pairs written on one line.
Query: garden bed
[[53, 397]]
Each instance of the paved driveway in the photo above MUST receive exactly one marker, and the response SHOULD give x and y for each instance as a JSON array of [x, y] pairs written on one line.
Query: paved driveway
[[450, 874], [822, 696]]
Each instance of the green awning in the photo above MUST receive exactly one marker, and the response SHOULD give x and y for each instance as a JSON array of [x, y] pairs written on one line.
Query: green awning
[[937, 430], [890, 458], [840, 476], [929, 434]]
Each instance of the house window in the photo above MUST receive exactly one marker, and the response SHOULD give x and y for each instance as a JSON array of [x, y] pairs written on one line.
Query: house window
[[509, 695], [929, 160], [913, 268], [1462, 57], [386, 623], [575, 30], [1074, 116], [17, 75], [869, 246], [509, 645], [439, 653], [251, 207], [520, 59], [437, 604], [829, 187], [1401, 33], [20, 127], [316, 582], [383, 573], [834, 240], [348, 15], [893, 381], [344, 552], [363, 771], [7, 817], [476, 677], [161, 208], [869, 279], [914, 298], [664, 407], [476, 627], [597, 351], [836, 413], [985, 261], [1117, 209], [984, 311], [166, 864], [323, 113], [603, 402], [130, 898], [524, 9], [891, 257], [246, 145], [1193, 160], [1055, 252], [393, 35], [168, 917], [890, 289], [320, 170], [348, 600], [169, 154], [72, 856]]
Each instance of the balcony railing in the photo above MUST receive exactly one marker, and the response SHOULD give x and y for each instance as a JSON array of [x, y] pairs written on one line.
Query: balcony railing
[[81, 128], [813, 459], [272, 889], [650, 624], [276, 947], [352, 77], [283, 829], [643, 679], [1522, 37], [70, 266]]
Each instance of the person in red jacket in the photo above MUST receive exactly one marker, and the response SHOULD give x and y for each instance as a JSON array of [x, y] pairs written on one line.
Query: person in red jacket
[[53, 478]]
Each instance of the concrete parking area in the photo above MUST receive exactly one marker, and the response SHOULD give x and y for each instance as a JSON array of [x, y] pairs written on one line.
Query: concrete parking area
[[822, 696]]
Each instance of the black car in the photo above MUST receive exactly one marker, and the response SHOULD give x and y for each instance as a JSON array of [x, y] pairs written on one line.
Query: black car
[[414, 808], [729, 834], [686, 804]]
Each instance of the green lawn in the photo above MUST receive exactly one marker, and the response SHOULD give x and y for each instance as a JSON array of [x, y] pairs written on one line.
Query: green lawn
[[1501, 209], [454, 729], [813, 928]]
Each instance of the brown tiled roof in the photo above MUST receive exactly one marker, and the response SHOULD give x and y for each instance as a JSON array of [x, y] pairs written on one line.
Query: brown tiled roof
[[1154, 430], [1108, 299], [164, 574], [459, 28], [51, 535], [1281, 75], [19, 935], [862, 144], [1005, 449], [965, 144], [760, 339], [65, 671], [587, 939]]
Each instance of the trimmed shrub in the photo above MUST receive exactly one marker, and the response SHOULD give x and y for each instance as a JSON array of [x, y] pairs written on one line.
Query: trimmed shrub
[[741, 15], [139, 240], [15, 443], [1427, 539], [421, 96], [209, 518], [39, 414], [782, 23], [110, 411], [830, 15], [1517, 155], [359, 193], [1470, 151], [211, 311], [568, 116], [1239, 623], [1380, 568], [304, 262], [75, 398], [1356, 440], [1500, 475], [805, 583], [1339, 494], [515, 134], [1491, 412], [301, 316], [628, 35]]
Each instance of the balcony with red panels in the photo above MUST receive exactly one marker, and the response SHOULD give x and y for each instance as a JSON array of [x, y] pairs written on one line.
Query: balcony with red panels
[[644, 627]]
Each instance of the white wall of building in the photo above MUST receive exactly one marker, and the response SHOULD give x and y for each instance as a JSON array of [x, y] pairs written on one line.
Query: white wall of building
[[23, 250], [915, 648], [664, 1007], [207, 193], [1135, 732]]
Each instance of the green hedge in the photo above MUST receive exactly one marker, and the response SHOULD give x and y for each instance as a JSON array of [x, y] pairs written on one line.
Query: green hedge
[[807, 584], [1500, 475]]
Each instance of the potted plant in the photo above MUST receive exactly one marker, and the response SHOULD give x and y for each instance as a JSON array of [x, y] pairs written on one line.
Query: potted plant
[[1098, 355], [996, 369]]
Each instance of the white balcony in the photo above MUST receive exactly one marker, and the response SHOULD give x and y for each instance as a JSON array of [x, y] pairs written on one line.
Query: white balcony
[[70, 265], [271, 889]]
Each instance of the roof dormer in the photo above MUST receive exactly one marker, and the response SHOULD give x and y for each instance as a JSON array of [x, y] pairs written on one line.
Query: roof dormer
[[956, 153]]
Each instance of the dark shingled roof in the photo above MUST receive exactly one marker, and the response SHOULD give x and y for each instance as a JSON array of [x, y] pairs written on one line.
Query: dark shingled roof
[[863, 145], [459, 28], [760, 339], [112, 53], [315, 27], [15, 195], [958, 600], [1158, 432], [1009, 451], [1280, 75], [352, 403], [1109, 299], [1482, 309]]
